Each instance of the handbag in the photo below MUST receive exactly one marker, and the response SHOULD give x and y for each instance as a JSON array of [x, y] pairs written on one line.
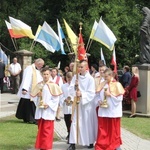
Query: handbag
[[138, 94]]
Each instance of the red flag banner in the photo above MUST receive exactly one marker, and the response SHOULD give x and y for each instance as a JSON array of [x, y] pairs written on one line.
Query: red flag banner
[[113, 61], [81, 49]]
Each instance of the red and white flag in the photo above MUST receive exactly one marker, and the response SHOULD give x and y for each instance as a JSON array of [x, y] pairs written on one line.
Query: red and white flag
[[81, 49], [21, 28], [12, 34], [113, 61]]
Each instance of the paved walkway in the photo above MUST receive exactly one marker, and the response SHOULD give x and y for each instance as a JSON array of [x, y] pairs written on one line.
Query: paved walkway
[[8, 104]]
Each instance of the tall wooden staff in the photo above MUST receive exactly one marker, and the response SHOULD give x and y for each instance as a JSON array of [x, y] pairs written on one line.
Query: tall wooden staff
[[77, 88], [77, 100]]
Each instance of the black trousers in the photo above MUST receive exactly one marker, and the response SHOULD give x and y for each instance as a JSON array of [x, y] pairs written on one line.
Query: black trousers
[[15, 81], [67, 118], [1, 85]]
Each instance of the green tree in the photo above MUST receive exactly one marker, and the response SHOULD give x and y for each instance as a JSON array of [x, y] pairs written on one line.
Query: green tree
[[123, 17]]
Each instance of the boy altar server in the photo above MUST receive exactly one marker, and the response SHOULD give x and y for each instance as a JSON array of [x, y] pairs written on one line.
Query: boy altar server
[[82, 123], [66, 102], [46, 97], [109, 113]]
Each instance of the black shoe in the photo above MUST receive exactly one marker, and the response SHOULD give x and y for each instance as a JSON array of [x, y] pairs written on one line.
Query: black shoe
[[90, 146], [67, 137], [32, 122], [57, 119], [25, 121], [71, 147]]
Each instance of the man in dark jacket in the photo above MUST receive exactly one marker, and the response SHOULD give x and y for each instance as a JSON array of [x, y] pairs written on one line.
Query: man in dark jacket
[[2, 74], [126, 77]]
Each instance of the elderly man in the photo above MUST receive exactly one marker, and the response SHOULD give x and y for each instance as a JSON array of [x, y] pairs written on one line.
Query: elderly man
[[15, 70], [31, 76]]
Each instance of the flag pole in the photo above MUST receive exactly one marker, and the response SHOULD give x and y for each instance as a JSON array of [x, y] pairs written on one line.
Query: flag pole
[[14, 43], [78, 98], [87, 44], [67, 45], [32, 45]]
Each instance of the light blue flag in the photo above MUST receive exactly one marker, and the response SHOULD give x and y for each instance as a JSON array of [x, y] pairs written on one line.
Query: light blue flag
[[61, 36], [48, 38], [104, 35], [3, 57]]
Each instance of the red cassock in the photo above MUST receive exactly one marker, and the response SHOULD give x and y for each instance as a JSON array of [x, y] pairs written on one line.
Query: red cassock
[[108, 134], [45, 134], [133, 88]]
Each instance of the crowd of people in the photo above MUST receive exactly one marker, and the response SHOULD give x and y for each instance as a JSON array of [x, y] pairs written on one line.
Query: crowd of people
[[91, 100]]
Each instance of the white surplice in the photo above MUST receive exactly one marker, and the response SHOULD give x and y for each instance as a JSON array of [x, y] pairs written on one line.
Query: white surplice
[[65, 90], [51, 101], [27, 81], [114, 109], [87, 88]]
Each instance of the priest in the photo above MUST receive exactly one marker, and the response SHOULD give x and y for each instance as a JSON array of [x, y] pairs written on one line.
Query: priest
[[31, 76]]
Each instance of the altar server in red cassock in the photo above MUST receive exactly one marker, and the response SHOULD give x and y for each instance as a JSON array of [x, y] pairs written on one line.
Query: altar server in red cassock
[[46, 97], [109, 137]]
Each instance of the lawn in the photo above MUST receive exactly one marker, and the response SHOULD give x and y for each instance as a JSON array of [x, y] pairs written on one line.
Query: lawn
[[16, 135], [138, 125]]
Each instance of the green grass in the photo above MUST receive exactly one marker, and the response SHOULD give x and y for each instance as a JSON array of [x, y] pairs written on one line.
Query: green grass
[[139, 126], [16, 135]]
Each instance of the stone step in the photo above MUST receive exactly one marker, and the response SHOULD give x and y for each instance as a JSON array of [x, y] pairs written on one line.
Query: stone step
[[5, 114], [126, 112], [8, 107]]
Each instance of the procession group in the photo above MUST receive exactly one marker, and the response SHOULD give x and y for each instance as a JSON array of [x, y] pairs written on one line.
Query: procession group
[[91, 103]]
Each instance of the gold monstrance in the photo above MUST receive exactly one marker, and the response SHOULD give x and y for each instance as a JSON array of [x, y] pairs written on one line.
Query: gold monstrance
[[104, 103], [41, 103]]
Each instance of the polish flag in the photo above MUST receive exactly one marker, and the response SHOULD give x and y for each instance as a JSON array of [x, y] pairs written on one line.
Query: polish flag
[[113, 61], [12, 34]]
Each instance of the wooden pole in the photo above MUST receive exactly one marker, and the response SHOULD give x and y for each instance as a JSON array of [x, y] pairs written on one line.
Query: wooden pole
[[67, 45], [77, 105], [89, 45], [32, 45], [14, 44], [78, 98]]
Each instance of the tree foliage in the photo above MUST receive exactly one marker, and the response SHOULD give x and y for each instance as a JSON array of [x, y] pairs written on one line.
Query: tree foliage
[[123, 17]]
